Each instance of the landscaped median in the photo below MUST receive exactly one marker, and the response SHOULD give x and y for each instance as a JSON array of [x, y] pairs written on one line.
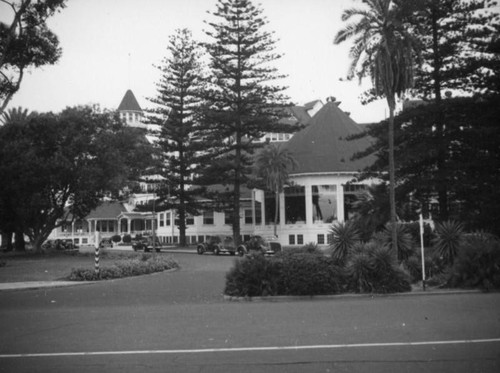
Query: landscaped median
[[125, 266]]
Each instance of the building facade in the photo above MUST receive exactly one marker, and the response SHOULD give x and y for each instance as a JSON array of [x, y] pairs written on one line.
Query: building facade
[[322, 189]]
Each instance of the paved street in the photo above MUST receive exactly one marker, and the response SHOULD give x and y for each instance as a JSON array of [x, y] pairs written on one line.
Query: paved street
[[179, 322]]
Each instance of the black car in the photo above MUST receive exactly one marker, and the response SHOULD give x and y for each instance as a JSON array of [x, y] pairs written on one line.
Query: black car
[[146, 244], [217, 245], [259, 243]]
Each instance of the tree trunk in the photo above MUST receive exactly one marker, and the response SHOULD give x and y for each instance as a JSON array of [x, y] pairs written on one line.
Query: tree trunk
[[7, 241], [19, 244], [276, 213], [392, 181]]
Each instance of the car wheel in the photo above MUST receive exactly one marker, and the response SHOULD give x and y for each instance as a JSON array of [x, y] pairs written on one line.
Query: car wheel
[[158, 250], [232, 253], [241, 251], [200, 249]]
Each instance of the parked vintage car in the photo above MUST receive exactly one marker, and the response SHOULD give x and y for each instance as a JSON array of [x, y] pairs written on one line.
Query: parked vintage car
[[146, 244], [258, 243], [106, 243], [217, 245], [58, 244]]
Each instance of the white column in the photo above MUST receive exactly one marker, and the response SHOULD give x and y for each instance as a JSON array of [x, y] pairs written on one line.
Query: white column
[[340, 203], [282, 210], [309, 205]]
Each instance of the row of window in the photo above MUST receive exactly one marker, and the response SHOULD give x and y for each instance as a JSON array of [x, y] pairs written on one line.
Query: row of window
[[165, 219], [299, 239]]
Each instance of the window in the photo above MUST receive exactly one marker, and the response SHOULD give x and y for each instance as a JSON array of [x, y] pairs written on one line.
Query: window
[[189, 220], [291, 239], [162, 220], [295, 204], [321, 239], [270, 208], [329, 238], [300, 239], [248, 216], [208, 217], [324, 203], [167, 219]]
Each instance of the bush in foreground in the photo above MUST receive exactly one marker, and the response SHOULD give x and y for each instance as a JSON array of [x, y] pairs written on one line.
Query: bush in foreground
[[477, 264], [368, 269], [141, 265]]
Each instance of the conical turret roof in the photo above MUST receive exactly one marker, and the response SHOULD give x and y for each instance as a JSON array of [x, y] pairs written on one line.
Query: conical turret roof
[[129, 102], [322, 147]]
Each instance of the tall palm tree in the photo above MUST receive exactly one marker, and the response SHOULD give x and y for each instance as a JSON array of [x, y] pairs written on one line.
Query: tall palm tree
[[15, 115], [273, 164], [383, 49]]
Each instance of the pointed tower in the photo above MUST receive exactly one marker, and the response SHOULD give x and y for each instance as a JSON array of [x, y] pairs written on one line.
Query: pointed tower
[[130, 111]]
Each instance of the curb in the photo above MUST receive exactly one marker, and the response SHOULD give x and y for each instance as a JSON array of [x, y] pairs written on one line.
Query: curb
[[285, 298]]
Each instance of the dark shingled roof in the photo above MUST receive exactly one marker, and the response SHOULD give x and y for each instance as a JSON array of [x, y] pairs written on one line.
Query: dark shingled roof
[[129, 102], [107, 210], [322, 146]]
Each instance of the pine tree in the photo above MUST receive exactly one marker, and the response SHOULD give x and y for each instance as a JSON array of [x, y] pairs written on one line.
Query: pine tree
[[177, 111], [456, 38], [242, 102]]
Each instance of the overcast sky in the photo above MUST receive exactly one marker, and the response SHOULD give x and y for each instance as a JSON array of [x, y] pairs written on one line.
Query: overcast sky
[[110, 46]]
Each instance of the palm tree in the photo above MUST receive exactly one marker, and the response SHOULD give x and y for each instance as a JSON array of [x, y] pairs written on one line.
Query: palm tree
[[15, 115], [383, 49], [273, 164]]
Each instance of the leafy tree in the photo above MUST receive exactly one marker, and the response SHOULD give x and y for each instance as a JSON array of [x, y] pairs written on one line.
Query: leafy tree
[[12, 117], [273, 164], [242, 101], [57, 167], [26, 42], [383, 49], [178, 113]]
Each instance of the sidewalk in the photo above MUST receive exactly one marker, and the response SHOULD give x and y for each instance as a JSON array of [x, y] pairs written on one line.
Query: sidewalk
[[33, 285]]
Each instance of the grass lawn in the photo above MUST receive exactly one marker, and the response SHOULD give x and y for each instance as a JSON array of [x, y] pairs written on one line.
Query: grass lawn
[[48, 267]]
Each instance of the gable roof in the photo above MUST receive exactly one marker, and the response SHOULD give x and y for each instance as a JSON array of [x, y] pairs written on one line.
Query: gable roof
[[107, 210], [322, 146], [129, 102]]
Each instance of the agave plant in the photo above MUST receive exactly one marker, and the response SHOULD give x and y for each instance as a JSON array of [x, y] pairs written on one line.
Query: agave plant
[[448, 238], [405, 242], [344, 236]]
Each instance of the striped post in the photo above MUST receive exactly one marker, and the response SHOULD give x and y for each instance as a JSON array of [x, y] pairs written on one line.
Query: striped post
[[96, 257], [96, 267]]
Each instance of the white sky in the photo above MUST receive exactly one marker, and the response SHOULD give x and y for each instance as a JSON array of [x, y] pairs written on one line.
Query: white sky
[[110, 46]]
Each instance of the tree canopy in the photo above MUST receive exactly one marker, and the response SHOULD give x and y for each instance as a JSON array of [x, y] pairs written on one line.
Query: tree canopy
[[26, 42], [243, 102], [177, 112], [58, 167]]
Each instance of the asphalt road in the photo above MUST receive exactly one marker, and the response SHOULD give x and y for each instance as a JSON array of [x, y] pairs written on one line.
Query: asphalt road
[[179, 322]]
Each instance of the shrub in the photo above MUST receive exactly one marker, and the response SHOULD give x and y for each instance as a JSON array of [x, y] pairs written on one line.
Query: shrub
[[374, 270], [116, 238], [311, 274], [125, 268], [477, 264], [344, 236], [254, 275], [127, 238], [447, 241]]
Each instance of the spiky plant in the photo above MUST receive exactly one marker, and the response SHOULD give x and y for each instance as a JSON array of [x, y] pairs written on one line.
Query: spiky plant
[[344, 236], [448, 238], [405, 243]]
